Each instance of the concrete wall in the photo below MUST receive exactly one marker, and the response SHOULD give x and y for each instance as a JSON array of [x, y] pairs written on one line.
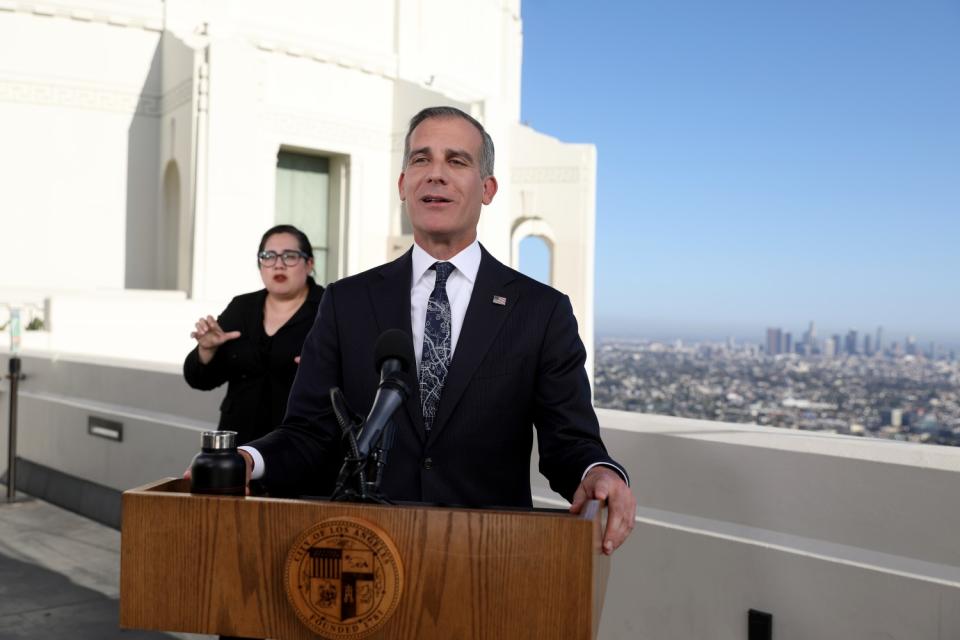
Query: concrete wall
[[161, 416], [837, 537], [73, 197]]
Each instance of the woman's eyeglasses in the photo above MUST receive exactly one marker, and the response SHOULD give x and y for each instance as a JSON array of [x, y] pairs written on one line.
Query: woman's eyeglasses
[[289, 258]]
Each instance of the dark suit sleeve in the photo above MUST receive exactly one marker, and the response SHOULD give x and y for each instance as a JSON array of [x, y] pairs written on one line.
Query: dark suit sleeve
[[303, 455], [568, 433], [213, 374]]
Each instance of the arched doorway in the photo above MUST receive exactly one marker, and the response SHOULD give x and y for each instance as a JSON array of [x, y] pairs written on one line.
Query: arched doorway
[[533, 249], [536, 259]]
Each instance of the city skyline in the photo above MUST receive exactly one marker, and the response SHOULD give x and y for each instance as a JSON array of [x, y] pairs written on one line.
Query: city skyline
[[761, 164], [759, 336]]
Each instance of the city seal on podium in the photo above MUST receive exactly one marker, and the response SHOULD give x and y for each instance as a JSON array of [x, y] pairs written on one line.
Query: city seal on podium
[[344, 578]]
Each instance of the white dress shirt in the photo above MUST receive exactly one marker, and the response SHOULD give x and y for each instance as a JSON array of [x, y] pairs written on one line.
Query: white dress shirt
[[459, 289]]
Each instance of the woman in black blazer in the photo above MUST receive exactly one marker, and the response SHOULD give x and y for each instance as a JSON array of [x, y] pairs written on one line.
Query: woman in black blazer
[[254, 346]]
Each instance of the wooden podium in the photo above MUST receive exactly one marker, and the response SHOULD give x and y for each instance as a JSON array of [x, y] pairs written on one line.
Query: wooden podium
[[208, 564]]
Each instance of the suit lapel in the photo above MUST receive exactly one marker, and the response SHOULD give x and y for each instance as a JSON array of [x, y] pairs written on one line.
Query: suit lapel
[[390, 299], [482, 323]]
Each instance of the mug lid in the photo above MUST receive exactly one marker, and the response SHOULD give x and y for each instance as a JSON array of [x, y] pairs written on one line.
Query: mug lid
[[219, 439]]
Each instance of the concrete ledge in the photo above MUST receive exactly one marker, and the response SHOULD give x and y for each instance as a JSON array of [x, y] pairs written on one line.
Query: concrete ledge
[[883, 496], [89, 499], [812, 442]]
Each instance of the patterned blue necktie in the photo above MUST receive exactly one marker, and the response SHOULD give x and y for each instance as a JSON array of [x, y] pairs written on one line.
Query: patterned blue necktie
[[437, 350]]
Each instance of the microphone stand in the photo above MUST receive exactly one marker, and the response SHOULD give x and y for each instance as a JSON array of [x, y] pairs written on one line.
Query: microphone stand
[[380, 462], [351, 483]]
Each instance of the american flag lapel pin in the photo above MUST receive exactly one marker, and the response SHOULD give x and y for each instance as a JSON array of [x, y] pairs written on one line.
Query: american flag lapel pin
[[500, 300]]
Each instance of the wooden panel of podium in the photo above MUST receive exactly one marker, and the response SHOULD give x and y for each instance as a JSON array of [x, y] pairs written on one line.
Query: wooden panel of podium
[[291, 569]]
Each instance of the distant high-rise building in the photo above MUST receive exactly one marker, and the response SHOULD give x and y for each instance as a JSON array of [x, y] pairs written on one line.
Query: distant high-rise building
[[810, 338], [851, 342], [867, 347], [878, 347], [774, 338], [788, 342], [911, 347], [837, 344], [829, 346]]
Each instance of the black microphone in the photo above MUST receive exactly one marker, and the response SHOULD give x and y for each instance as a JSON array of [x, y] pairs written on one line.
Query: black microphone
[[393, 352], [393, 356]]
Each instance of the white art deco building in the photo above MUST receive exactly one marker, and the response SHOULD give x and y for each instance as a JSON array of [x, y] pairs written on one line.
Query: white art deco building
[[146, 145]]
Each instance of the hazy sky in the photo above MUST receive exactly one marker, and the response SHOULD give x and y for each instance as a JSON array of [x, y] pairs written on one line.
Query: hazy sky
[[762, 163]]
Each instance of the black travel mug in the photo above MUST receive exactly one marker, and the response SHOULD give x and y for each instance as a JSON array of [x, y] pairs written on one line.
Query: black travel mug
[[219, 468]]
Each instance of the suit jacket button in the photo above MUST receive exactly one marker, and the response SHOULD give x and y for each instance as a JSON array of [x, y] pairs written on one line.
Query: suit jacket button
[[428, 463]]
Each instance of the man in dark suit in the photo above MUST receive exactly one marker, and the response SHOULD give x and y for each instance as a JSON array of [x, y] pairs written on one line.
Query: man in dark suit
[[497, 353]]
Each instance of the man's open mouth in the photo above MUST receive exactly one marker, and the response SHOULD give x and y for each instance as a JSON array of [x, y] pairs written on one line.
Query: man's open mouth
[[430, 199]]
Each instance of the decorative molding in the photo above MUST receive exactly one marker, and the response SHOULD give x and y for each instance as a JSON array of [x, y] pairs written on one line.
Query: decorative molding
[[545, 175], [385, 67], [81, 97], [71, 12], [95, 98]]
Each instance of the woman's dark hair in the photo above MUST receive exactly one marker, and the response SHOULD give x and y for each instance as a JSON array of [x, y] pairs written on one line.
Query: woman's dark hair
[[301, 237]]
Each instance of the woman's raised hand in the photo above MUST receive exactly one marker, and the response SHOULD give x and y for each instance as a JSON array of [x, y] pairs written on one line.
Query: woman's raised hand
[[209, 336]]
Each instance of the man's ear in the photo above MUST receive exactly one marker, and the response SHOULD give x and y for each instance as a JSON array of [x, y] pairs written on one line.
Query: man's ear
[[400, 185], [489, 189]]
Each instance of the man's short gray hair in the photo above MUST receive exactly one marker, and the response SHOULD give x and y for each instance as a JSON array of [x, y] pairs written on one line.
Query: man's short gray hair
[[485, 161]]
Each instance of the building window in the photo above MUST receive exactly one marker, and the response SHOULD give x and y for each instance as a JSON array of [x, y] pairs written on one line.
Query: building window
[[309, 191]]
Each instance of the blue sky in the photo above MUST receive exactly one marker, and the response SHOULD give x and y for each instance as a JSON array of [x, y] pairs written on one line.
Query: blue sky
[[761, 163]]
